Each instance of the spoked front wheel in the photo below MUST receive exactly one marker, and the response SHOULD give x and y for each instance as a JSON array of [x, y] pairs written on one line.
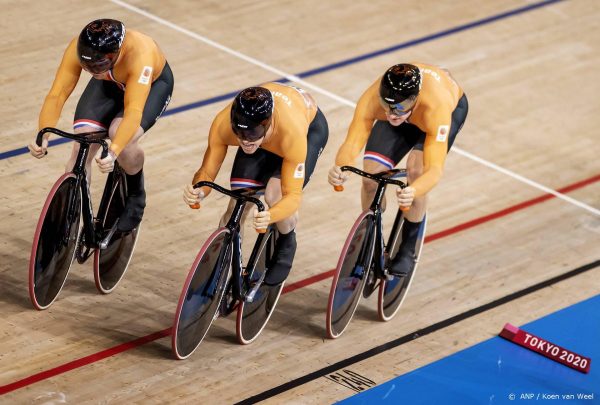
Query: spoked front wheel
[[54, 241], [392, 292], [350, 275], [111, 263], [202, 294], [253, 316]]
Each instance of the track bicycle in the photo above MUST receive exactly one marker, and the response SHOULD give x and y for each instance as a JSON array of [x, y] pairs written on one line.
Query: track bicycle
[[58, 238], [364, 260], [218, 283]]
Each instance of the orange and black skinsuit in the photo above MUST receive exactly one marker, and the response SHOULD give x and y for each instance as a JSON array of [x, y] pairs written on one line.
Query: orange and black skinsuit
[[299, 135], [438, 115], [138, 88]]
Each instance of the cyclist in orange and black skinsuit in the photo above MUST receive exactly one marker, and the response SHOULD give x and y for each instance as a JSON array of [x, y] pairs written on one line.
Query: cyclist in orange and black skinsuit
[[131, 86], [412, 106], [281, 133]]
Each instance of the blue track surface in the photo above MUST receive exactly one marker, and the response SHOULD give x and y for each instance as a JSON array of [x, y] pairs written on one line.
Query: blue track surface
[[495, 370]]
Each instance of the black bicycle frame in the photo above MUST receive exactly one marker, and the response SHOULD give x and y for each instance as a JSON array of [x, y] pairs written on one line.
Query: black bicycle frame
[[382, 179], [240, 282], [92, 236]]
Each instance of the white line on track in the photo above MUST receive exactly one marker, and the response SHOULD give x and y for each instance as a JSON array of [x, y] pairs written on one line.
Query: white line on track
[[347, 102]]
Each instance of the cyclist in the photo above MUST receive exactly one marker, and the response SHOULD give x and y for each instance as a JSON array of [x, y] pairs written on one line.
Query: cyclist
[[131, 86], [281, 133], [412, 106]]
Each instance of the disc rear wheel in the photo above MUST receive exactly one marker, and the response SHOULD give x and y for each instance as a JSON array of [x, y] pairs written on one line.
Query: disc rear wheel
[[393, 292], [111, 263], [253, 316]]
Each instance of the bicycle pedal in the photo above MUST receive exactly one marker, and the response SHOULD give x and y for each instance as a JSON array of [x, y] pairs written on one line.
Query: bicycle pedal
[[250, 296], [387, 275]]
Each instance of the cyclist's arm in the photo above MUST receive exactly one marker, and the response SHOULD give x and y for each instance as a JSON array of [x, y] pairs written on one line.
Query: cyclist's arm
[[293, 170], [137, 88], [65, 81], [215, 153], [292, 179], [358, 133], [435, 150]]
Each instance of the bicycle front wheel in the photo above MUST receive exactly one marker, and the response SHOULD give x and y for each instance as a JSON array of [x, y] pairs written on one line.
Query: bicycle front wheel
[[202, 293], [393, 292], [350, 275], [54, 241], [110, 264]]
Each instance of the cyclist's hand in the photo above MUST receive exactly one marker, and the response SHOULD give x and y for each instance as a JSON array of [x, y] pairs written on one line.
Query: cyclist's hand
[[38, 151], [192, 195], [405, 196], [107, 164], [261, 219], [336, 176]]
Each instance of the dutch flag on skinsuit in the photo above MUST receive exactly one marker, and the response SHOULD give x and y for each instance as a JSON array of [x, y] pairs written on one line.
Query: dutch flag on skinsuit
[[89, 123], [243, 183], [384, 160]]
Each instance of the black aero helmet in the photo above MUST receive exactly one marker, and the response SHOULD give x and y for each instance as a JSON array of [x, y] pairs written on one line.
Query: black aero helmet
[[251, 113], [99, 44], [399, 88]]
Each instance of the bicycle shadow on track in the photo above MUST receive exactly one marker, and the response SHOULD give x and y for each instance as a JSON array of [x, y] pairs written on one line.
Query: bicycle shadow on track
[[14, 272]]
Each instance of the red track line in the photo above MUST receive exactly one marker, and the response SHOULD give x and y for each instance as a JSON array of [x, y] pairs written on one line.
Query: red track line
[[289, 288], [509, 210], [308, 281], [92, 358]]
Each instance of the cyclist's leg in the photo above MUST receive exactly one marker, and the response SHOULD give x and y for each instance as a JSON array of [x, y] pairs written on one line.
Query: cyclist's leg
[[414, 168], [404, 261], [386, 147], [285, 246], [367, 191], [98, 105], [250, 171], [131, 158]]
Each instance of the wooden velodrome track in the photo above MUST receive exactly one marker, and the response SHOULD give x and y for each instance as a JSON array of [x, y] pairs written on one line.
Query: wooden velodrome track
[[494, 229]]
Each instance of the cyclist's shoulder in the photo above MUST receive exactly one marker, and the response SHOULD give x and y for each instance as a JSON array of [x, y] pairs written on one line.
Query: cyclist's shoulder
[[368, 104], [220, 129], [139, 50]]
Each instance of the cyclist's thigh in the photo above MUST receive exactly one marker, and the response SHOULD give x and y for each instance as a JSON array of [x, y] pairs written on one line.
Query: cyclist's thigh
[[114, 125], [316, 139], [158, 99], [99, 104], [254, 170], [373, 166], [387, 144]]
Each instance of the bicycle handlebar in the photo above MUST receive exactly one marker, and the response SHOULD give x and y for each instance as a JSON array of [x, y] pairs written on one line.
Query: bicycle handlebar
[[241, 194], [88, 138], [382, 177], [235, 194]]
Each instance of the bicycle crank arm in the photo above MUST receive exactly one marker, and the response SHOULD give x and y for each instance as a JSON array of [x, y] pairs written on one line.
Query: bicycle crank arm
[[105, 241], [250, 296]]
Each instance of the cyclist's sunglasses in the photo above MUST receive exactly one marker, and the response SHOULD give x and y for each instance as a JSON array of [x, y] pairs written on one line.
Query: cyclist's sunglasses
[[254, 134], [398, 109]]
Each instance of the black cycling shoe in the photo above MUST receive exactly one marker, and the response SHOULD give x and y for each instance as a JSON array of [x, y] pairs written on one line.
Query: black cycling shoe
[[132, 214], [134, 205], [404, 262], [285, 249]]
